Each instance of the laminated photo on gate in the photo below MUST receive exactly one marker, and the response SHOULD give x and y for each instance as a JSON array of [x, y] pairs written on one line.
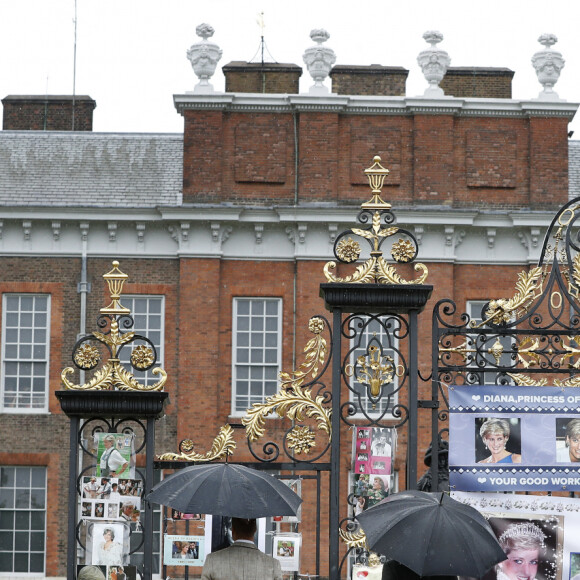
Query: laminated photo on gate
[[115, 455], [183, 550], [111, 499]]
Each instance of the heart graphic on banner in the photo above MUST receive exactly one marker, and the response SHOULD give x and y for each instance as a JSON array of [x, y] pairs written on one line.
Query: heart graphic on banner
[[476, 397], [481, 479], [362, 574]]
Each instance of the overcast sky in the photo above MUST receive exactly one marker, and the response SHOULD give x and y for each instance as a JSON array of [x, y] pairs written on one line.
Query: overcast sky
[[131, 54]]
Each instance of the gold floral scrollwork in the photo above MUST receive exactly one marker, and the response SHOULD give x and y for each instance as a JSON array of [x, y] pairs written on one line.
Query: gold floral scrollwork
[[222, 445], [301, 439], [87, 356], [292, 400], [348, 250], [113, 376], [525, 381], [528, 288], [142, 357], [376, 269], [402, 251], [356, 539]]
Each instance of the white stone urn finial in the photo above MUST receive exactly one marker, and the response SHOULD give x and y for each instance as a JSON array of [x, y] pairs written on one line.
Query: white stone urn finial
[[204, 57], [548, 64], [433, 63], [319, 60]]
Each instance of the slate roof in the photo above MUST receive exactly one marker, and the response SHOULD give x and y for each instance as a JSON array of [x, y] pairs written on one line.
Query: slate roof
[[132, 170]]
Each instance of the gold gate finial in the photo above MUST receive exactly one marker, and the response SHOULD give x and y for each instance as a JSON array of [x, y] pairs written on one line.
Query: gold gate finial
[[376, 174]]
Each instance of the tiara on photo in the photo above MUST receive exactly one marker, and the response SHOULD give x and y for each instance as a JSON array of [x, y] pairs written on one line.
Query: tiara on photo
[[523, 530]]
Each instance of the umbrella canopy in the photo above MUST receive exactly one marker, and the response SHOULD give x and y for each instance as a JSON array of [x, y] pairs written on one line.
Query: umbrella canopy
[[431, 534], [226, 489]]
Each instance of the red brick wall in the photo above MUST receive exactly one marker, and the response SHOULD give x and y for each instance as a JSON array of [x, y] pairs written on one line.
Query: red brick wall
[[433, 159]]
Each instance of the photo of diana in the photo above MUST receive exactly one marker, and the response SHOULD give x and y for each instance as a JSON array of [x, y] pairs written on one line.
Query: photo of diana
[[530, 546], [568, 440], [497, 440]]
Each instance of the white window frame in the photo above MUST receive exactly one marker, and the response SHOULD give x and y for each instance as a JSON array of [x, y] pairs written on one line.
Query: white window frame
[[15, 509], [147, 378], [33, 358], [235, 364], [473, 309], [387, 350]]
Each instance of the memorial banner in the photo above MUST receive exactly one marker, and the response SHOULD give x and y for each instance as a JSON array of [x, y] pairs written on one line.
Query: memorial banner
[[504, 438], [539, 533]]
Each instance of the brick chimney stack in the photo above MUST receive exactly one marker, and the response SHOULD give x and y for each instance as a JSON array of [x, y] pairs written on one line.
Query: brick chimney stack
[[481, 82], [48, 113], [255, 77]]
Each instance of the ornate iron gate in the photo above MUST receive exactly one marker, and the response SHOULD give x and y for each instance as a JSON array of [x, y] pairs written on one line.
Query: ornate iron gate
[[529, 339]]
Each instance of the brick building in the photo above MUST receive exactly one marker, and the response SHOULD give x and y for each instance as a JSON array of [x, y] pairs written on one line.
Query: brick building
[[238, 215]]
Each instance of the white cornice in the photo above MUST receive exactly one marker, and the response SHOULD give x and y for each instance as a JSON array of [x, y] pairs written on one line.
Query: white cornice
[[269, 233], [375, 105]]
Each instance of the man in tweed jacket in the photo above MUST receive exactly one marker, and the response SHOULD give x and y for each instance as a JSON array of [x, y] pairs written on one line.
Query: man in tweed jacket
[[242, 560]]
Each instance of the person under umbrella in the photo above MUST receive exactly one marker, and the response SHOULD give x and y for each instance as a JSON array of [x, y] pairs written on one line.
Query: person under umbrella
[[432, 534], [242, 560], [393, 570]]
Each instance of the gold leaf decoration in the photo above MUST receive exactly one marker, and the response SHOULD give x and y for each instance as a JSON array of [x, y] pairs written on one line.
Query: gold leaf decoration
[[527, 290], [222, 445], [294, 403], [526, 381], [113, 377], [356, 539], [575, 275], [570, 382], [292, 400], [375, 269], [527, 347]]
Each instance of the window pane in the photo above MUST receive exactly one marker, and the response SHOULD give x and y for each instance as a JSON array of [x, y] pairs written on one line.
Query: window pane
[[25, 318], [6, 498], [6, 519], [22, 550], [250, 331], [6, 541], [37, 562]]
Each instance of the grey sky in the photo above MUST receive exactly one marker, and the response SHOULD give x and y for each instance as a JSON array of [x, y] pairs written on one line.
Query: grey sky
[[131, 53]]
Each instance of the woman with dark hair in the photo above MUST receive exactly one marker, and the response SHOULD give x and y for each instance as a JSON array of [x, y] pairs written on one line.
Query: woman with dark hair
[[523, 544], [495, 434], [378, 491]]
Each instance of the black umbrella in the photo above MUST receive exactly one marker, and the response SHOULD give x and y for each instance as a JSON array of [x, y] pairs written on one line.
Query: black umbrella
[[226, 489], [431, 534]]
